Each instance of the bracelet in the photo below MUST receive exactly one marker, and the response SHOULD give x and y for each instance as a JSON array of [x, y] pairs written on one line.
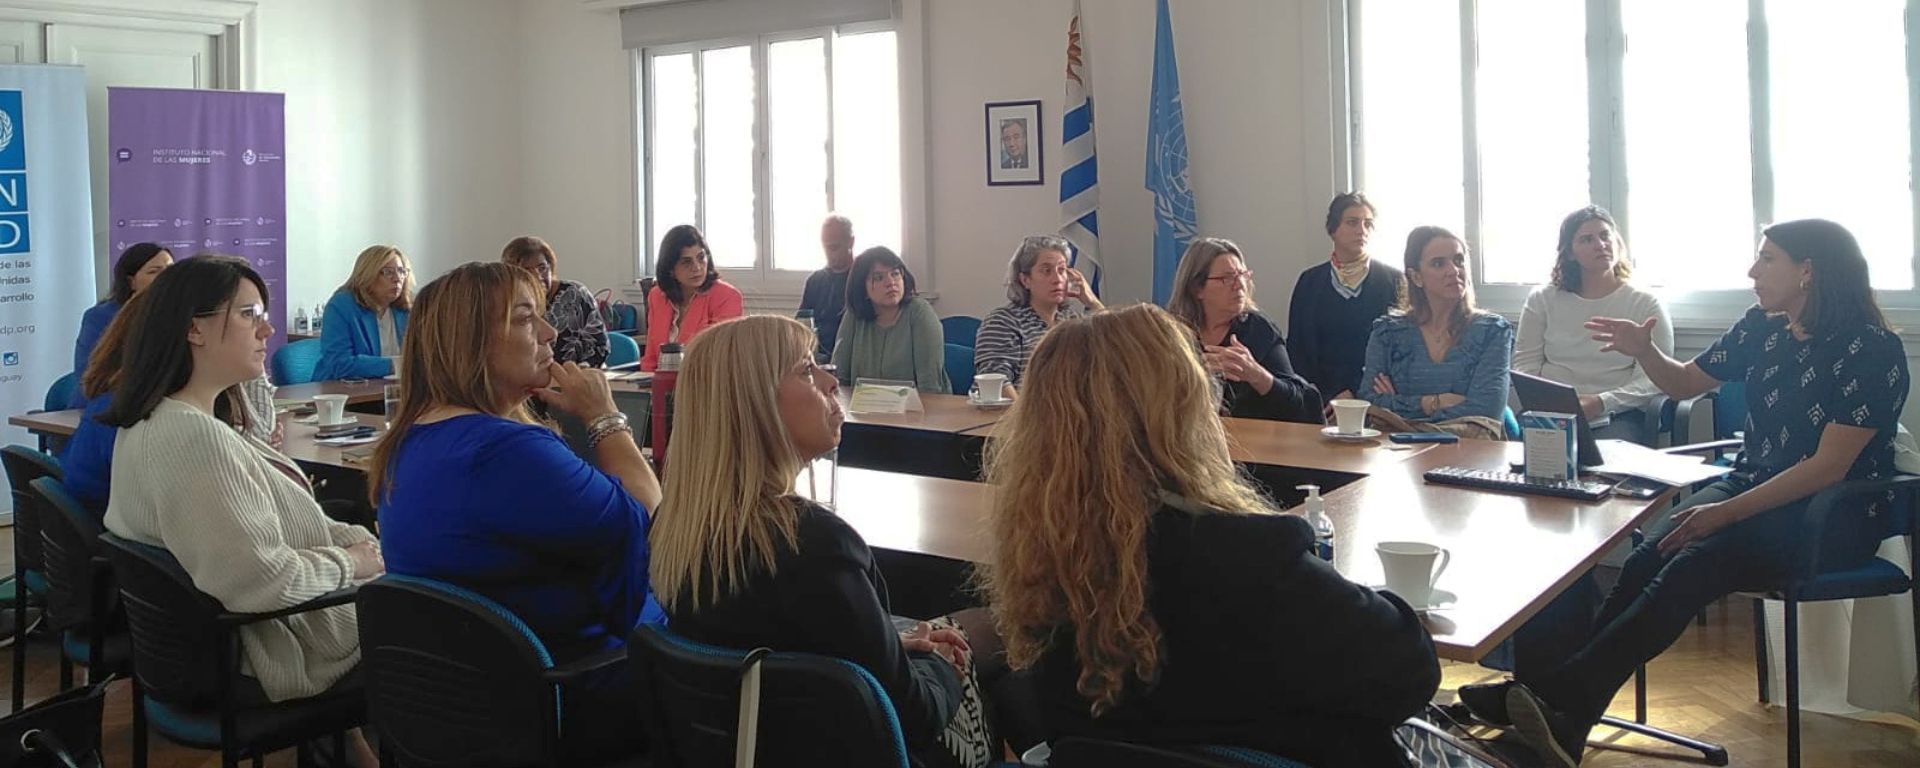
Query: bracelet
[[596, 436], [603, 422]]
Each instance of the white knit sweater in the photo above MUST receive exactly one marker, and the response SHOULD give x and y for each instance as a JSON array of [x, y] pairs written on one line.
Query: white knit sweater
[[249, 534], [1554, 343]]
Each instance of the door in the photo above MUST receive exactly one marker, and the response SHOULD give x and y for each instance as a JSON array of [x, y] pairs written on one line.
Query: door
[[123, 57]]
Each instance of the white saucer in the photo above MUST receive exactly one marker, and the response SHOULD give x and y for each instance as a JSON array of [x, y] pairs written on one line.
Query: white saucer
[[990, 406], [391, 377], [1334, 433], [1437, 600]]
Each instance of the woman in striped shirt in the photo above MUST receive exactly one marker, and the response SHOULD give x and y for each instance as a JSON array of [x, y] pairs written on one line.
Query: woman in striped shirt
[[1041, 290]]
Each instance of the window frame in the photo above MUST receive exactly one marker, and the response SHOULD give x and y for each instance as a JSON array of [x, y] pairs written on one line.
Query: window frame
[[763, 278], [1607, 167]]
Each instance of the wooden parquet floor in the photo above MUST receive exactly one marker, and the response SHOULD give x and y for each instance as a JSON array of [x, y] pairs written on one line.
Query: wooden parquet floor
[[1703, 686]]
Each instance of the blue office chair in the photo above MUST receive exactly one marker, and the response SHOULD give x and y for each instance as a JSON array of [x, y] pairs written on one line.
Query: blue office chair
[[92, 631], [294, 363], [1876, 578], [622, 349], [959, 367], [960, 329], [456, 679], [1728, 404], [1511, 424], [60, 395], [626, 316], [814, 710], [23, 466]]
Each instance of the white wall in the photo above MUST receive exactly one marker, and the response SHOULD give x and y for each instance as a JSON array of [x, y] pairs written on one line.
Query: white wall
[[403, 126], [577, 129]]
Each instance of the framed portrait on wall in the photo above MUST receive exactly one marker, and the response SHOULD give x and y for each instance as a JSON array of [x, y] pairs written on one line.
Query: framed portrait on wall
[[1013, 144]]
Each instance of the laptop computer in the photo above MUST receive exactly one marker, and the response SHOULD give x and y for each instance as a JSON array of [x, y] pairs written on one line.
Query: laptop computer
[[1538, 394]]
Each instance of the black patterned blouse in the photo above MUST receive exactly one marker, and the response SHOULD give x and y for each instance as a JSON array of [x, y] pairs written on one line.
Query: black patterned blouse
[[583, 336]]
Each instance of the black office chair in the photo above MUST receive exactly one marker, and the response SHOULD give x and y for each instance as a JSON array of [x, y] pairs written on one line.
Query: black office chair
[[1876, 578], [80, 586], [25, 465], [455, 679], [186, 667], [814, 710]]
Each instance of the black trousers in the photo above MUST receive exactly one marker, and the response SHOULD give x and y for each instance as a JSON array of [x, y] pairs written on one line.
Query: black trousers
[[1657, 597]]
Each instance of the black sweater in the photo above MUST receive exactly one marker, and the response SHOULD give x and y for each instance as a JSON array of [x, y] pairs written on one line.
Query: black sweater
[[1264, 646], [829, 598], [1291, 398], [1329, 331]]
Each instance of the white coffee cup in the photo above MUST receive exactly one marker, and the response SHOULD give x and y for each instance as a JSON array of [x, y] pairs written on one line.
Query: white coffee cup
[[1410, 570], [332, 409], [1350, 416], [990, 387]]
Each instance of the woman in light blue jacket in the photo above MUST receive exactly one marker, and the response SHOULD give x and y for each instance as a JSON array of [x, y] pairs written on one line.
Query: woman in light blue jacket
[[367, 318]]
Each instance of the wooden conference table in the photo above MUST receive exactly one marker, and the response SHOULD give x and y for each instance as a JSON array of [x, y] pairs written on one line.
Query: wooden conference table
[[1511, 554]]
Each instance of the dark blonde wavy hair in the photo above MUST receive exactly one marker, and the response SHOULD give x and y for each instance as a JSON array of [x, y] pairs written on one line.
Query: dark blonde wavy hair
[[1113, 409], [457, 321]]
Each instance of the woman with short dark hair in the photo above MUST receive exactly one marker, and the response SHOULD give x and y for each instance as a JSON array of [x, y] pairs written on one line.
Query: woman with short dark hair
[[1335, 302], [571, 309], [688, 294], [889, 332]]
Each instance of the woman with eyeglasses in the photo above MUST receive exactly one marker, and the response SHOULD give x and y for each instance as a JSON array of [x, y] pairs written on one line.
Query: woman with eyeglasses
[[238, 515], [889, 331], [1042, 290], [688, 294], [367, 318], [1240, 346], [571, 309]]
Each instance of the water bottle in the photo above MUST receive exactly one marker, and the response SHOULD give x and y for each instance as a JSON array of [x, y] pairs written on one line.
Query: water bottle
[[665, 376], [317, 310], [1316, 513], [300, 322], [805, 317]]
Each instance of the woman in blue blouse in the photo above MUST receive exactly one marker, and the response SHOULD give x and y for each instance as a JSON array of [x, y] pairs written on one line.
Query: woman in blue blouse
[[366, 319], [138, 265], [1825, 382], [1438, 363], [473, 492]]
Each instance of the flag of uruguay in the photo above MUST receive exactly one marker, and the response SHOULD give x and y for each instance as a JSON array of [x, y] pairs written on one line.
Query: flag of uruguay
[[1079, 174]]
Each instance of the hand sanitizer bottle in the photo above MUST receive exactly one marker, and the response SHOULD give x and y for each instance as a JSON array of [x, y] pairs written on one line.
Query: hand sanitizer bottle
[[1315, 509], [300, 321]]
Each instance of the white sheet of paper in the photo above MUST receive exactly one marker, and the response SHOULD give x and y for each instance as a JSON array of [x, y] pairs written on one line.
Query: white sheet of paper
[[878, 397], [1628, 458]]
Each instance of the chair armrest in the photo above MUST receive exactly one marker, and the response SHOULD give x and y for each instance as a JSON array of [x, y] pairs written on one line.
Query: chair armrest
[[593, 662], [1714, 447], [342, 596], [1683, 414], [1821, 508]]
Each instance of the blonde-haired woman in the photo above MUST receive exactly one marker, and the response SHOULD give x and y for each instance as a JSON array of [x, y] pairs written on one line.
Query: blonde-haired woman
[[366, 320], [1213, 295], [740, 561], [471, 491], [1156, 595]]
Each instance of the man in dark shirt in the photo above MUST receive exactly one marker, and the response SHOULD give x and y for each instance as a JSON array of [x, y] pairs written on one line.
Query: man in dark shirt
[[826, 291]]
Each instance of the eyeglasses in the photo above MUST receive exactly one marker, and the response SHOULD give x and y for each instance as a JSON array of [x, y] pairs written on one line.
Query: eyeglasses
[[1237, 275], [254, 313], [393, 272]]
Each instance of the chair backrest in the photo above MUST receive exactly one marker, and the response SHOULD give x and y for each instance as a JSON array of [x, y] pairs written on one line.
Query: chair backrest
[[814, 710], [1730, 409], [1074, 752], [1510, 424], [960, 329], [629, 317], [60, 395], [959, 368], [70, 538], [453, 678], [295, 362], [621, 349], [174, 628], [25, 465]]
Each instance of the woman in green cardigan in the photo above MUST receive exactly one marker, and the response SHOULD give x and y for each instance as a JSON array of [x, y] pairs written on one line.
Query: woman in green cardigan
[[888, 332]]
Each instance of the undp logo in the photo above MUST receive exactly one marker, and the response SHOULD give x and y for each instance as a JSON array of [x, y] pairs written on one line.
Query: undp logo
[[6, 131]]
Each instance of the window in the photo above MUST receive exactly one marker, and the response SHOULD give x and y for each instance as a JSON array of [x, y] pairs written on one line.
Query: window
[[1696, 123], [755, 141]]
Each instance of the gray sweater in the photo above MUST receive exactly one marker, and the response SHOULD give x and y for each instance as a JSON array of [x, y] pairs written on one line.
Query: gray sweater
[[250, 534]]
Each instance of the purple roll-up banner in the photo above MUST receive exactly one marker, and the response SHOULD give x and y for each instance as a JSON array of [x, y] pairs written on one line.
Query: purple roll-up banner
[[201, 172]]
